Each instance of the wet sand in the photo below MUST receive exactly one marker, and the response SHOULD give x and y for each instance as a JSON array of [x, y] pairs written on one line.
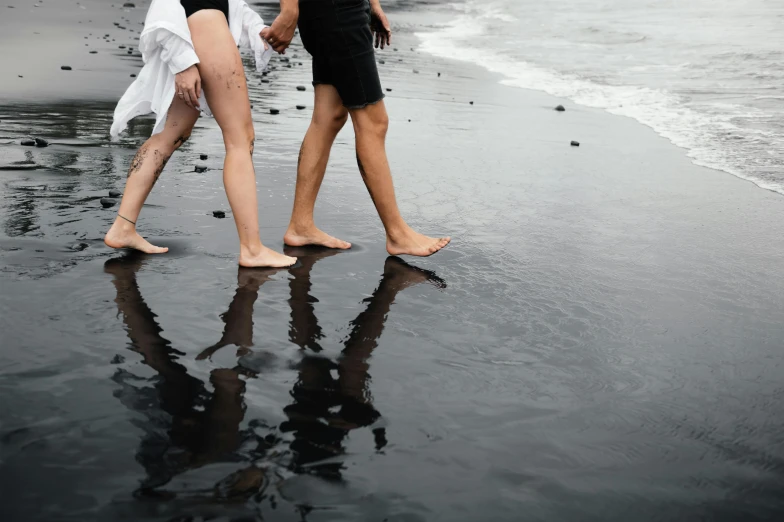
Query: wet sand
[[600, 342]]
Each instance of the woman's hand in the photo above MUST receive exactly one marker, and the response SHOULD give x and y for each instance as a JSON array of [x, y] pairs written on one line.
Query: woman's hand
[[380, 25], [281, 32], [188, 85]]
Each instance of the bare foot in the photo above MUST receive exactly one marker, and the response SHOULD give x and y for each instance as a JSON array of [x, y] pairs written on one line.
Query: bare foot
[[118, 237], [313, 236], [416, 244], [265, 258]]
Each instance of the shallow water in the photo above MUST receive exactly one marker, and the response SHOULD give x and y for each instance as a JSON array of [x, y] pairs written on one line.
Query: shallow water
[[594, 345]]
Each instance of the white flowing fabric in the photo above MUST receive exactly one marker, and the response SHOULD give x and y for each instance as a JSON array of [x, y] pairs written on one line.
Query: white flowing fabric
[[167, 49]]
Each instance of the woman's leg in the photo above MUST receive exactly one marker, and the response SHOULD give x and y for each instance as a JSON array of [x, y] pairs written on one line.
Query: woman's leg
[[223, 79], [145, 169]]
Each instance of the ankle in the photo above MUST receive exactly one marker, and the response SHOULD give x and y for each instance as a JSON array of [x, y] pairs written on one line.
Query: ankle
[[252, 249], [301, 225], [398, 232], [122, 226]]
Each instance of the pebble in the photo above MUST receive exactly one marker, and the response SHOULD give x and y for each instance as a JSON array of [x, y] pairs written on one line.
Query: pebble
[[65, 67], [219, 214], [471, 102], [40, 142], [28, 142], [129, 5], [200, 167], [560, 108], [439, 75], [133, 76], [416, 72], [274, 111], [300, 107], [93, 52], [78, 247], [108, 202], [389, 90], [382, 62], [300, 87], [284, 59], [575, 143], [114, 193], [264, 80], [203, 157], [118, 359]]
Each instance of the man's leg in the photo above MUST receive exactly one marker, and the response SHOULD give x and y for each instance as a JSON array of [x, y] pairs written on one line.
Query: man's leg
[[329, 116], [370, 126]]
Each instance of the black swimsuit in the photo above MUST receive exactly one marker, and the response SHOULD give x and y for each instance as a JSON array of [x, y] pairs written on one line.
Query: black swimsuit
[[192, 6]]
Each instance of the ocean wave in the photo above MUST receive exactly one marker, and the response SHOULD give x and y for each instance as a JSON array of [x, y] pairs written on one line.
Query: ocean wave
[[711, 136]]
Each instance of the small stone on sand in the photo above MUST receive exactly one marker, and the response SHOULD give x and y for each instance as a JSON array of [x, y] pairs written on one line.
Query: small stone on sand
[[300, 87], [93, 52], [28, 142], [133, 76], [471, 102], [65, 67], [389, 90], [274, 111], [300, 107], [118, 359], [416, 72], [200, 167], [203, 157], [575, 143], [560, 108], [382, 62], [219, 214], [129, 5], [108, 202], [78, 247], [40, 142], [439, 75], [114, 193]]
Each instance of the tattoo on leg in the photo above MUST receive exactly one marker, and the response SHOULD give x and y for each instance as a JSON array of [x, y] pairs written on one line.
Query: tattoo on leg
[[137, 161], [160, 161], [179, 141]]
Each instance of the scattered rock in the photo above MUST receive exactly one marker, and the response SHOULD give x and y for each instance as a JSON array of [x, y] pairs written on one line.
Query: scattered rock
[[301, 87], [200, 167], [40, 142], [389, 90], [28, 142], [133, 76], [284, 59], [382, 62], [130, 52], [129, 5], [118, 359], [395, 49], [65, 67], [203, 157], [108, 202], [300, 107], [78, 246], [122, 47], [560, 108], [114, 193], [218, 214], [471, 102], [416, 72], [288, 65], [439, 75], [575, 143], [264, 80], [274, 111], [93, 52]]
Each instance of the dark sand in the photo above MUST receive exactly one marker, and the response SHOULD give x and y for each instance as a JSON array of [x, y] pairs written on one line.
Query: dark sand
[[601, 342]]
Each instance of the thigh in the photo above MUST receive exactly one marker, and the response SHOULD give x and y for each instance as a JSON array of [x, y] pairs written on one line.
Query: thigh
[[179, 122], [222, 73]]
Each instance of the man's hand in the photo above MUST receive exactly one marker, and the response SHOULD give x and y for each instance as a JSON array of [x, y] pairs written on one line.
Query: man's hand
[[188, 86], [380, 25], [281, 32]]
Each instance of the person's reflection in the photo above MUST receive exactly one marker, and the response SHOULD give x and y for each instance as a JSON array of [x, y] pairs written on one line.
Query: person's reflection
[[326, 407], [187, 426]]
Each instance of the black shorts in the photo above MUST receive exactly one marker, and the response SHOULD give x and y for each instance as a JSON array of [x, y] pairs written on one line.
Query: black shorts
[[192, 6], [337, 34]]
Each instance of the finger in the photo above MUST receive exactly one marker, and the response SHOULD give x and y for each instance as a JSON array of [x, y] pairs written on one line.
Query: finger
[[186, 99], [382, 36], [376, 40], [198, 88], [265, 32], [194, 98], [389, 36]]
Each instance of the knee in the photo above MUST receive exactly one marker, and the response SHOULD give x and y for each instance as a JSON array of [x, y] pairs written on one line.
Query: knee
[[332, 121], [243, 137], [375, 123]]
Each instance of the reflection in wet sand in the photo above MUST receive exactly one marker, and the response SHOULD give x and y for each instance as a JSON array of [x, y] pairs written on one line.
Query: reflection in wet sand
[[186, 426]]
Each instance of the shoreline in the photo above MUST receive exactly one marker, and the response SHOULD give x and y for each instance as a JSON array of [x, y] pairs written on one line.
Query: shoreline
[[608, 323]]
